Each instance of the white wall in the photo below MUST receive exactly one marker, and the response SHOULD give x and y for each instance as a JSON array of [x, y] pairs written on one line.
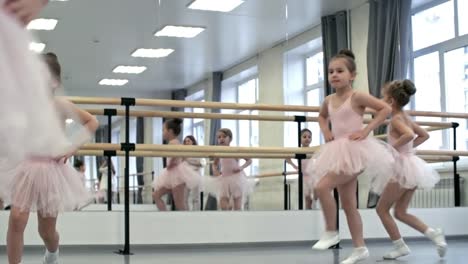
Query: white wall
[[157, 228]]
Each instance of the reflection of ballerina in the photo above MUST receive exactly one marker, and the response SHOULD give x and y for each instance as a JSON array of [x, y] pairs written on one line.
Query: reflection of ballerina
[[193, 195], [178, 175], [103, 171], [232, 182], [306, 138]]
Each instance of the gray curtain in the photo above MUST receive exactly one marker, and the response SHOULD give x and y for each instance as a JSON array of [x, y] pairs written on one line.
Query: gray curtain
[[335, 38], [215, 125], [388, 50], [140, 139]]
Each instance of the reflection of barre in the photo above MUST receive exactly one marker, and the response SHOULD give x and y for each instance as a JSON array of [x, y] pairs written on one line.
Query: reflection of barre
[[215, 149], [431, 114], [452, 153], [249, 155], [235, 106], [280, 118], [274, 174], [428, 129], [138, 174], [167, 114]]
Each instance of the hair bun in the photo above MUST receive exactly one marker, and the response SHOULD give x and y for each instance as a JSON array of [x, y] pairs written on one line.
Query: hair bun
[[408, 87], [178, 121], [348, 53]]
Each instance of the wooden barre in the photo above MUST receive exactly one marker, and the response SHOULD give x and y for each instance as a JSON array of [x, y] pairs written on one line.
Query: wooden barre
[[236, 106], [216, 149], [193, 104], [173, 154], [280, 118], [168, 114], [428, 129], [452, 153]]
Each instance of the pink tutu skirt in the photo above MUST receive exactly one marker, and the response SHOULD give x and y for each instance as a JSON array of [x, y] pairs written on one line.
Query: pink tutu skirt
[[46, 186], [348, 158], [413, 172], [182, 173], [233, 186]]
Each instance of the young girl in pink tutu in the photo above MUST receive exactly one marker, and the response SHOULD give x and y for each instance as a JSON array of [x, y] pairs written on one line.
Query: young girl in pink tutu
[[349, 151], [178, 175], [232, 181], [306, 138], [45, 182], [411, 172]]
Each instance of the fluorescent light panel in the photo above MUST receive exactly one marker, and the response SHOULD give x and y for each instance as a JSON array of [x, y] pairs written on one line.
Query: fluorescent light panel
[[37, 47], [113, 82], [42, 24], [215, 5], [179, 31], [129, 69], [152, 53]]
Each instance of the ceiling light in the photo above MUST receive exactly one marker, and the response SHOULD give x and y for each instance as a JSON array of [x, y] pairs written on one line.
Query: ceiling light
[[215, 5], [113, 82], [129, 69], [42, 24], [37, 47], [179, 31], [69, 121], [152, 53]]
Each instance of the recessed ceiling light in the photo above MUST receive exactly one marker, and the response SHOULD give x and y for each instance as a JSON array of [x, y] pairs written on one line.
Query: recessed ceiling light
[[113, 82], [129, 69], [215, 5], [42, 24], [69, 121], [37, 47], [179, 31], [152, 53]]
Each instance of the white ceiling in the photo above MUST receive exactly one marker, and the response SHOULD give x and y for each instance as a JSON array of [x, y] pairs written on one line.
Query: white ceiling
[[94, 36]]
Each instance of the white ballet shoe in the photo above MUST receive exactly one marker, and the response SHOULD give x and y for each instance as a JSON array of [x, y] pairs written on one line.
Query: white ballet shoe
[[328, 239], [400, 249], [437, 236], [51, 258], [357, 255]]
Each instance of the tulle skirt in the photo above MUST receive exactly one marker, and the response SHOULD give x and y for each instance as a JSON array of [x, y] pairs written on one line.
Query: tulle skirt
[[46, 186], [349, 158], [413, 172], [182, 173]]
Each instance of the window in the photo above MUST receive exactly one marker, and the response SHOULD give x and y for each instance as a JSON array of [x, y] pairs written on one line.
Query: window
[[116, 139], [463, 17], [245, 132], [133, 137], [438, 19], [314, 69], [314, 92], [439, 67], [195, 126], [157, 139]]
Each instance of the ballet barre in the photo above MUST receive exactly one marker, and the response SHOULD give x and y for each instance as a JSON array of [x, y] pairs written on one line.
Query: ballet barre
[[235, 106], [191, 154], [212, 149], [273, 118]]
